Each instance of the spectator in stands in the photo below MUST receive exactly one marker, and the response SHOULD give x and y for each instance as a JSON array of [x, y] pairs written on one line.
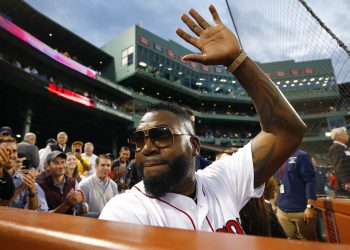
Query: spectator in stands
[[6, 132], [57, 192], [297, 197], [99, 188], [44, 152], [89, 154], [119, 166], [320, 178], [28, 148], [340, 159], [72, 169], [83, 163], [25, 194], [7, 187], [132, 174], [61, 145]]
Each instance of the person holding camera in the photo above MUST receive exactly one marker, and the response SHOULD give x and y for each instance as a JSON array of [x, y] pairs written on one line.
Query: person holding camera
[[83, 163], [25, 194]]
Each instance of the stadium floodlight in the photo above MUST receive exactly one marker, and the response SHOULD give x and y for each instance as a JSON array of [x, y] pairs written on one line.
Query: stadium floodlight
[[321, 78], [295, 81], [328, 134], [304, 80], [233, 81], [284, 86], [308, 83], [223, 80], [50, 34], [312, 79], [287, 81], [292, 85], [301, 84], [100, 62], [199, 83], [214, 79], [325, 84], [217, 88], [278, 83], [201, 79], [18, 136], [180, 73], [142, 64], [157, 93], [160, 65], [317, 82], [170, 69]]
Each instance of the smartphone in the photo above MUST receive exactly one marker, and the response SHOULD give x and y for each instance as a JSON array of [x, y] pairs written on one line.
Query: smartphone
[[26, 164]]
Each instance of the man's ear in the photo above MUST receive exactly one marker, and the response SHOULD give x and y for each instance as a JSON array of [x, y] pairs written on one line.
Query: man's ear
[[196, 145]]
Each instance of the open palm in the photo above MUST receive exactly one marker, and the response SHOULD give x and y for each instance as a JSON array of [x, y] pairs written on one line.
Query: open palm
[[217, 43]]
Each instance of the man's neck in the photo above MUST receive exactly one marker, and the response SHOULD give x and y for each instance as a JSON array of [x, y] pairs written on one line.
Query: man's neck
[[58, 180], [103, 179]]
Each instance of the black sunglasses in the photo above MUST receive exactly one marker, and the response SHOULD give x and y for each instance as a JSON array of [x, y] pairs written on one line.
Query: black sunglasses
[[161, 137]]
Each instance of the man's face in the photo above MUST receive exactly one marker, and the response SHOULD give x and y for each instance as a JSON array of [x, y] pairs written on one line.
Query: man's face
[[57, 167], [62, 139], [167, 168], [31, 139], [103, 168], [124, 155], [88, 149], [11, 148], [344, 137]]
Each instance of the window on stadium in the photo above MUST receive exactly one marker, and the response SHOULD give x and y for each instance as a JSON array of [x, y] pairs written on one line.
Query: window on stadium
[[127, 56]]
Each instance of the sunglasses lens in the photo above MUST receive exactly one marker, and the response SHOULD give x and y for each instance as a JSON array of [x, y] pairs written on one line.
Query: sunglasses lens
[[137, 139], [161, 136]]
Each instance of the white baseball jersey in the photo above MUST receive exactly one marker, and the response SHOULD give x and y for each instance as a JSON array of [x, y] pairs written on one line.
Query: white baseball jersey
[[223, 188]]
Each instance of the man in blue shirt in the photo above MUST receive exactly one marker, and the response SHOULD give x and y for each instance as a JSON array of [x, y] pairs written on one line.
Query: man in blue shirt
[[296, 198]]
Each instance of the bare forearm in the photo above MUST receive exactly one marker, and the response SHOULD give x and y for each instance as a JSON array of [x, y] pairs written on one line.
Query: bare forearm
[[282, 128], [61, 209], [33, 202], [277, 116]]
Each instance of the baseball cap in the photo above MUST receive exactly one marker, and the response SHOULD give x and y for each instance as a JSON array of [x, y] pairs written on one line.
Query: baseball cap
[[6, 130], [51, 140], [54, 154]]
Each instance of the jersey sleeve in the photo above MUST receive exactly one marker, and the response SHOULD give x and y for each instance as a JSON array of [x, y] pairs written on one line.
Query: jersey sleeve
[[234, 175]]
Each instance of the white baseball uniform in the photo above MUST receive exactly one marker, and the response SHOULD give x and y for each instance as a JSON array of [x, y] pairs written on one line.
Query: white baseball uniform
[[223, 188]]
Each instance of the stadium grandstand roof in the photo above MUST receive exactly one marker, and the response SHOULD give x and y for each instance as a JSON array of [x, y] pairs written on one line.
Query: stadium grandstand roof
[[40, 26]]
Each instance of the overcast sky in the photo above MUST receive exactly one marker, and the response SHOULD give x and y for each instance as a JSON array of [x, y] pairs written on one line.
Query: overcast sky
[[98, 21]]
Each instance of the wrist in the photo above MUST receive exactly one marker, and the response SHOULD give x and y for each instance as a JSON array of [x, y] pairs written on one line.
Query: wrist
[[310, 206], [32, 193], [237, 61]]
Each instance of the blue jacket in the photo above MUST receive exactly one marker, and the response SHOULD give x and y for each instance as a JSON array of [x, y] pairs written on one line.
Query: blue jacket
[[298, 177]]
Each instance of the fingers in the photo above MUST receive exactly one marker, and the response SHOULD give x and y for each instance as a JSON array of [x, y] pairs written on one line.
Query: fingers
[[202, 23], [193, 58], [194, 27], [186, 37], [214, 14]]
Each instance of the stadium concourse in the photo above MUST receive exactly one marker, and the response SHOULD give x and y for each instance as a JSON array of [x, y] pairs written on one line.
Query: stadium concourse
[[52, 80]]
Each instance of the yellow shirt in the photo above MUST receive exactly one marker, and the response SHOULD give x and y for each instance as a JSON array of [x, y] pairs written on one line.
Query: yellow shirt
[[80, 166]]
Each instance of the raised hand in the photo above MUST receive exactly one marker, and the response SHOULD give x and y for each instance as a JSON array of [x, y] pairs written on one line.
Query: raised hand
[[219, 46]]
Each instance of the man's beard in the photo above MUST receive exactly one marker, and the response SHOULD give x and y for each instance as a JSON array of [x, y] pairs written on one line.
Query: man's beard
[[158, 185]]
